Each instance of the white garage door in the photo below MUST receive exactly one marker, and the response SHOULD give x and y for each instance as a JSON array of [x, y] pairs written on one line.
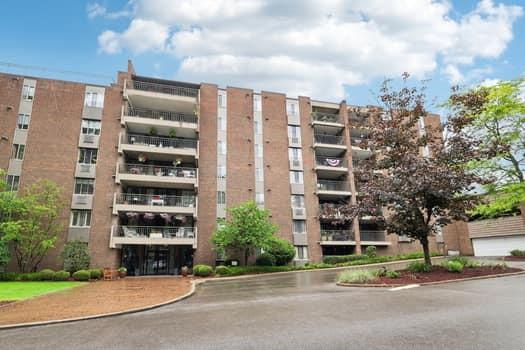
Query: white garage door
[[497, 246]]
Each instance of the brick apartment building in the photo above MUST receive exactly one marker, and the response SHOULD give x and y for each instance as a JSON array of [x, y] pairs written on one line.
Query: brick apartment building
[[149, 165]]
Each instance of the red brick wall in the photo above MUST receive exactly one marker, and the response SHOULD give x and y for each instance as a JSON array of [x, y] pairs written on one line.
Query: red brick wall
[[10, 91]]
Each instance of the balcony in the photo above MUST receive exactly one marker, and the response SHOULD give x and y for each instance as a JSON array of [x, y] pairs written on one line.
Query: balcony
[[330, 166], [141, 175], [337, 237], [152, 235], [329, 141], [328, 119], [136, 144], [333, 188], [141, 120], [357, 148], [373, 237], [162, 95], [128, 202]]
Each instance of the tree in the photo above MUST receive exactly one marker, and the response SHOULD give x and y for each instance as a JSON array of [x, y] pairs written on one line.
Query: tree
[[76, 256], [33, 223], [496, 119], [282, 251], [418, 194], [247, 229]]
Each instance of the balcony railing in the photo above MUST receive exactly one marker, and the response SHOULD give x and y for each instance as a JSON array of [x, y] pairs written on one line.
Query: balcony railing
[[155, 200], [332, 162], [155, 232], [326, 185], [326, 117], [161, 142], [165, 89], [372, 235], [358, 119], [157, 170], [162, 115], [337, 235], [330, 139], [356, 141]]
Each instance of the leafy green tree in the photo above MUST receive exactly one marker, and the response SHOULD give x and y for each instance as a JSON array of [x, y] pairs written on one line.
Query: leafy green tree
[[247, 229], [31, 222], [76, 256], [505, 201], [282, 251]]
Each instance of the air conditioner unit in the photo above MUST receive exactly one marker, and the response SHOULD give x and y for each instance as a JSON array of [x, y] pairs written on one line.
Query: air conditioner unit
[[85, 168], [89, 139], [81, 200], [299, 211]]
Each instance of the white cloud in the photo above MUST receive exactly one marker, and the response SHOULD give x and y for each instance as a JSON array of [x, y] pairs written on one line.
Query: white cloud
[[96, 10], [313, 47]]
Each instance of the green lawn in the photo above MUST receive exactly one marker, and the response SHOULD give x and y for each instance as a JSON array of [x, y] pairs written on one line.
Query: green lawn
[[25, 290]]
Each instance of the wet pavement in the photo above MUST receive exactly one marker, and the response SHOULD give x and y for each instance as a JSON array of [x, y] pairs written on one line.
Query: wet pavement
[[305, 310]]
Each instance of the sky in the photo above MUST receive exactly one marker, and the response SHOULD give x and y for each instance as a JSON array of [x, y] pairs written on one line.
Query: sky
[[329, 50]]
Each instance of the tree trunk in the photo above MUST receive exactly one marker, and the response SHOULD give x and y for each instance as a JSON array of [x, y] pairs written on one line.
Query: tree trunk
[[246, 255], [426, 251]]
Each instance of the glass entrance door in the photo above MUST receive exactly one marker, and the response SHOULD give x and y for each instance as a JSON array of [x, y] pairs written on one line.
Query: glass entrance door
[[157, 259]]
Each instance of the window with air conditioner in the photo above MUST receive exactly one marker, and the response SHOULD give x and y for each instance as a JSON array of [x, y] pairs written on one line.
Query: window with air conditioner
[[294, 133], [257, 106], [22, 121], [222, 99], [259, 198], [18, 151], [80, 218], [94, 99], [297, 201], [221, 197], [221, 171], [296, 177], [291, 108], [258, 127], [221, 148], [259, 175], [84, 186], [90, 127], [221, 121], [299, 226], [258, 150], [28, 92], [301, 252], [295, 155]]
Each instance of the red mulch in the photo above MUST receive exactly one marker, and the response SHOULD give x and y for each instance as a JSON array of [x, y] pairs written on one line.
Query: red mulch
[[514, 258], [439, 273], [5, 302]]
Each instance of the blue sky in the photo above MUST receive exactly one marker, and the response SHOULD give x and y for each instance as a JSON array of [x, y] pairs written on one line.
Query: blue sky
[[329, 50]]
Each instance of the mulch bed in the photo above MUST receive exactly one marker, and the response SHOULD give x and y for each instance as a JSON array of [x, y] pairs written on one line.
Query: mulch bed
[[514, 258], [5, 302], [95, 298], [439, 273]]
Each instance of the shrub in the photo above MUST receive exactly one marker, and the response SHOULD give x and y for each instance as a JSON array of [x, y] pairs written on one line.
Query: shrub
[[393, 274], [419, 266], [282, 251], [517, 252], [371, 251], [222, 271], [499, 266], [30, 276], [202, 270], [76, 256], [61, 275], [81, 275], [95, 274], [453, 266], [336, 259], [8, 276], [357, 276], [265, 259], [47, 274]]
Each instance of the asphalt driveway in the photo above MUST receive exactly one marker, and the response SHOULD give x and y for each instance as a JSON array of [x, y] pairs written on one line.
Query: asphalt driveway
[[305, 310]]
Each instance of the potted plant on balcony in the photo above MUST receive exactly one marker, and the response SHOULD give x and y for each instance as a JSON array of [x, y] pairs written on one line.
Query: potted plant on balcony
[[122, 272], [153, 131], [172, 133]]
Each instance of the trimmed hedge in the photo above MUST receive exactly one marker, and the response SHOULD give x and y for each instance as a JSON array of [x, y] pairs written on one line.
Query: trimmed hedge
[[517, 252], [8, 276], [222, 270], [202, 270], [81, 275], [47, 274], [30, 276], [265, 259], [337, 259], [96, 274], [61, 275]]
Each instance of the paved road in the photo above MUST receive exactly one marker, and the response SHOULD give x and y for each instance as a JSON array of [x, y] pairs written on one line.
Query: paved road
[[305, 310]]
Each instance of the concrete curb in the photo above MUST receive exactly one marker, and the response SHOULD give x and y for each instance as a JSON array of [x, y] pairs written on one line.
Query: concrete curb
[[360, 285], [111, 314], [325, 269]]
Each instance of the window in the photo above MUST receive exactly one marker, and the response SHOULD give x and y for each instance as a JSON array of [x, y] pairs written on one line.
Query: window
[[80, 218], [295, 154], [259, 198], [18, 151], [259, 175], [84, 186], [22, 121], [294, 133], [221, 122], [291, 108], [296, 177], [221, 148], [222, 100], [299, 226], [258, 127], [221, 197], [12, 182], [221, 171], [257, 106], [90, 127], [28, 92], [258, 150], [301, 252], [297, 201], [87, 156], [94, 99]]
